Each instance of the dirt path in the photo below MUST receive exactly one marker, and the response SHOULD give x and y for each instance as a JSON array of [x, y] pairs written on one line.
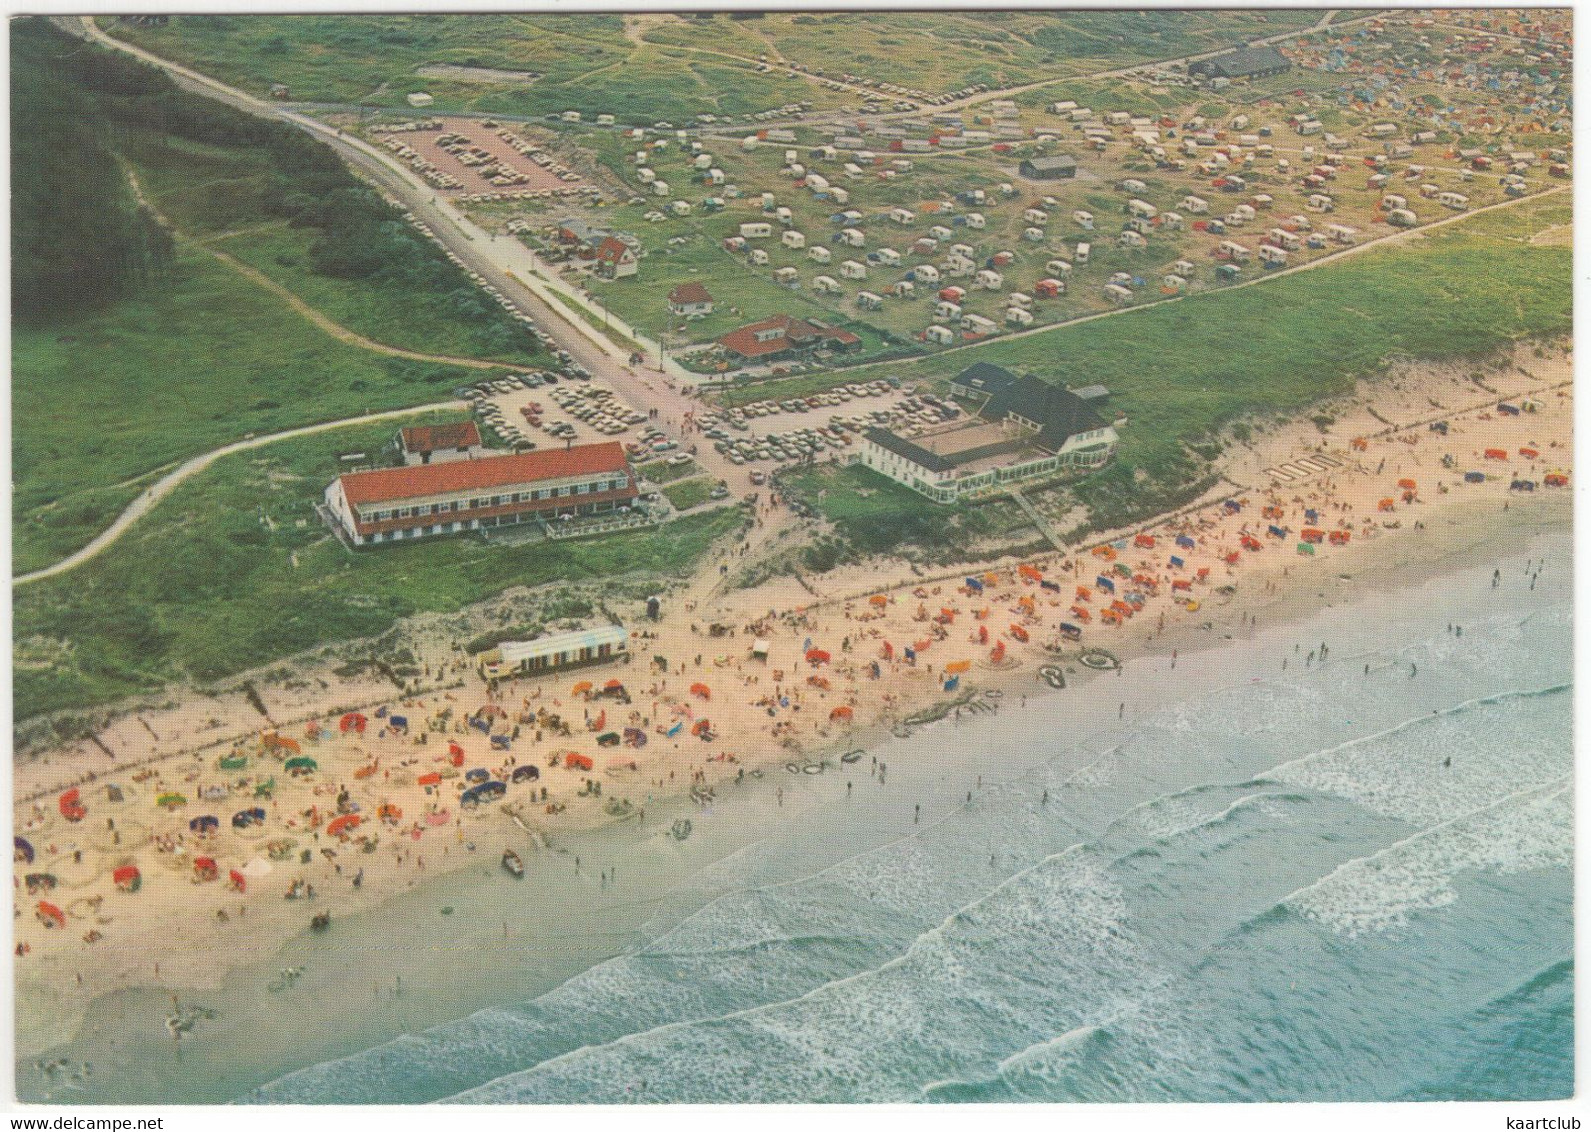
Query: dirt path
[[341, 333], [254, 275], [192, 467]]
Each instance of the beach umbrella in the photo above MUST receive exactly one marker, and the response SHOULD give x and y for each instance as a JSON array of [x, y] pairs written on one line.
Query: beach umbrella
[[128, 878], [702, 690], [841, 712], [71, 808], [204, 823], [51, 916], [581, 689], [237, 880], [22, 850], [817, 656], [342, 825], [171, 800]]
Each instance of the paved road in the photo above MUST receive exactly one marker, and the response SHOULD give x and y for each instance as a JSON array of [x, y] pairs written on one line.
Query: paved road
[[190, 468]]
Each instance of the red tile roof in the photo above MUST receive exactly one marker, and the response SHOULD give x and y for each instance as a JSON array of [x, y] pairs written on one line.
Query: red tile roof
[[796, 332], [387, 484], [612, 250], [691, 292], [434, 438]]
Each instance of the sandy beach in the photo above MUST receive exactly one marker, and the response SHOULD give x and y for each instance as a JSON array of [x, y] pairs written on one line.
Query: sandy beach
[[853, 655]]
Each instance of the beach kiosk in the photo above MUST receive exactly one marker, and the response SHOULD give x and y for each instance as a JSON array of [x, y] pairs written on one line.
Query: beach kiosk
[[556, 651]]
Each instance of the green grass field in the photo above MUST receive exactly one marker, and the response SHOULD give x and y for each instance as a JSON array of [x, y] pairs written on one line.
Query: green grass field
[[185, 368], [685, 494], [234, 571]]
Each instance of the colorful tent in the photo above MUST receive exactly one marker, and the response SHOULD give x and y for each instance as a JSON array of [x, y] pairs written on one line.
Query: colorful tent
[[431, 779], [817, 656], [234, 762], [352, 721], [841, 712], [701, 727], [237, 880], [204, 823], [51, 916], [878, 601], [243, 819], [581, 689], [171, 800], [205, 868], [957, 667], [342, 825], [22, 850], [128, 878], [301, 764], [702, 690], [71, 808]]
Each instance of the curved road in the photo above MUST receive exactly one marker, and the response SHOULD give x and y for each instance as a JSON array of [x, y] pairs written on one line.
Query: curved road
[[189, 468]]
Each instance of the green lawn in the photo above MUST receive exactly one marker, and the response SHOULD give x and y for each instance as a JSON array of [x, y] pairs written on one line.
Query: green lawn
[[206, 585], [661, 471], [195, 362], [686, 494]]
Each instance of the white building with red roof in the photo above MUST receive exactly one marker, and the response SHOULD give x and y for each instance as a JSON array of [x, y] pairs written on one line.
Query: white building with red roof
[[421, 500], [436, 444]]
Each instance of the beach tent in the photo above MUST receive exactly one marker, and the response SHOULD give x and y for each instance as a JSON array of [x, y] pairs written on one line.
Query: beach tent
[[243, 819], [526, 773], [675, 730], [237, 881], [128, 878], [609, 739], [234, 762], [204, 868], [575, 761], [1186, 542], [760, 649], [879, 601], [841, 712], [952, 684], [817, 656], [957, 667], [352, 721], [71, 807], [431, 779], [389, 813], [342, 825], [614, 685], [171, 800], [398, 722], [204, 823], [702, 690], [301, 764], [50, 916], [633, 736], [888, 651], [455, 751], [477, 774], [974, 586], [22, 850], [266, 788], [701, 727], [583, 688], [996, 654]]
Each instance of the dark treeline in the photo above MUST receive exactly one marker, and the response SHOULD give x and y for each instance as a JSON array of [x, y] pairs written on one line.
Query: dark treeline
[[101, 96], [79, 240]]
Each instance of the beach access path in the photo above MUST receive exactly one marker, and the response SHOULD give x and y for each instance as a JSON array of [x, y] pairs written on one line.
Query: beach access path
[[192, 467]]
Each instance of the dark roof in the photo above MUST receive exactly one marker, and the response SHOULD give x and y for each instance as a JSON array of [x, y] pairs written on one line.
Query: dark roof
[[1058, 413], [1243, 61], [1059, 161], [985, 377], [906, 450], [434, 438]]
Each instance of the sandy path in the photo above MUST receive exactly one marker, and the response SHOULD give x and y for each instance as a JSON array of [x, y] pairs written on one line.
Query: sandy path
[[192, 467]]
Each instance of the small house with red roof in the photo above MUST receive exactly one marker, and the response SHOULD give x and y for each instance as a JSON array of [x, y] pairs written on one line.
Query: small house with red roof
[[616, 259], [436, 444], [783, 337], [690, 300]]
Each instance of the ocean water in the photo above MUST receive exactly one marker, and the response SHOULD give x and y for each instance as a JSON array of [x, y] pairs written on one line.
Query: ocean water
[[1326, 883]]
